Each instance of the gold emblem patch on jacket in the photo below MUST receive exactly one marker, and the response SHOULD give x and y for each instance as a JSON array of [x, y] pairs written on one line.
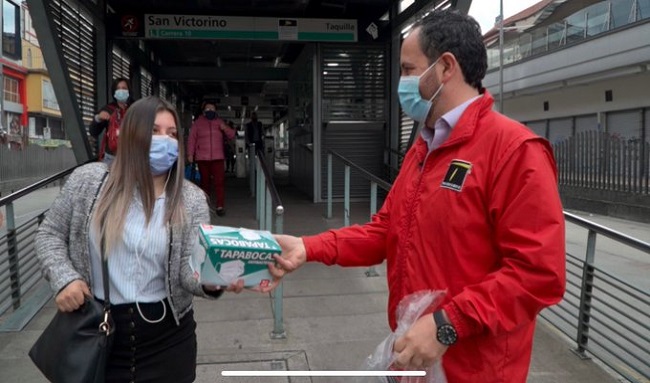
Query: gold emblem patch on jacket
[[456, 175]]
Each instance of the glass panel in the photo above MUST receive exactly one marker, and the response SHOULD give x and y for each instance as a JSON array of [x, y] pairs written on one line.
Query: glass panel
[[49, 98], [56, 130], [644, 9], [598, 18], [39, 123], [525, 42], [621, 10], [508, 53], [539, 41], [11, 90], [493, 57], [575, 27], [9, 29], [555, 35]]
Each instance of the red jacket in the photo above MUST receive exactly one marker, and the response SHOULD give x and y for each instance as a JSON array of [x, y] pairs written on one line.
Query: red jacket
[[206, 139], [481, 218]]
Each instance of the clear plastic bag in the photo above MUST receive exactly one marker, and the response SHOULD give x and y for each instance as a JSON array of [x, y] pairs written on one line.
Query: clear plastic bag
[[409, 310]]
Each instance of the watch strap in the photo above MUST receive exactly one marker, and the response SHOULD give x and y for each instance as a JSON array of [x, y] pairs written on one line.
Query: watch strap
[[439, 318]]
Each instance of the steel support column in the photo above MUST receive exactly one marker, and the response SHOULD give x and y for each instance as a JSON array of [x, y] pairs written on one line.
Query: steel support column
[[461, 5], [60, 76], [317, 129], [103, 57], [394, 75]]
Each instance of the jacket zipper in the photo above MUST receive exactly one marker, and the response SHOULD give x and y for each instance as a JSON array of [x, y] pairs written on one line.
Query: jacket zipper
[[409, 223]]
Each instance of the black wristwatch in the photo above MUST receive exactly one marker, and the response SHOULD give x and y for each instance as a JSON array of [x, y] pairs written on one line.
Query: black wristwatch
[[446, 334]]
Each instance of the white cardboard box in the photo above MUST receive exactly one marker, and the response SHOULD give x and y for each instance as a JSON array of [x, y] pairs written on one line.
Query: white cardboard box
[[228, 254]]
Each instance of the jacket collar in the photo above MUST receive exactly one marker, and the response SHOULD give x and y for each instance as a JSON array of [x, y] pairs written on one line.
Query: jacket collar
[[465, 128]]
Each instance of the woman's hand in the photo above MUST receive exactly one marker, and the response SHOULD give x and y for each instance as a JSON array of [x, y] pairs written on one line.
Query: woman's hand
[[72, 296], [235, 287], [104, 115]]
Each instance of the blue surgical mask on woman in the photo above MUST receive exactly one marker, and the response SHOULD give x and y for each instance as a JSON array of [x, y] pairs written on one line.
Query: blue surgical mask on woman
[[410, 99], [121, 95], [163, 154]]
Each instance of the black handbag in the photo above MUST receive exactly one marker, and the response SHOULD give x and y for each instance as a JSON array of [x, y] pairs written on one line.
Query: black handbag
[[75, 346]]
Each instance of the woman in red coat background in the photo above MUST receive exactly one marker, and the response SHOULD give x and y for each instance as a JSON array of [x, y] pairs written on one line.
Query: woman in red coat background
[[205, 146]]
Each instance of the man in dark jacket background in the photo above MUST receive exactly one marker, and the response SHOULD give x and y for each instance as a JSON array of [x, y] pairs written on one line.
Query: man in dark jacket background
[[255, 133]]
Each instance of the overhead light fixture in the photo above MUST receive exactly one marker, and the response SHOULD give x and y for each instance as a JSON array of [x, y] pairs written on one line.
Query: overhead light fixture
[[256, 107], [229, 107], [332, 64], [324, 73], [344, 54], [257, 57]]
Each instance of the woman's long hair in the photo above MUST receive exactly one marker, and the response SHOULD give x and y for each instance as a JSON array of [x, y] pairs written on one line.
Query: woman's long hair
[[130, 173]]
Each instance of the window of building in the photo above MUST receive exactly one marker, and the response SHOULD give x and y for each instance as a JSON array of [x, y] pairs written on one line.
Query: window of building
[[11, 89], [10, 29], [28, 31], [49, 98], [49, 128]]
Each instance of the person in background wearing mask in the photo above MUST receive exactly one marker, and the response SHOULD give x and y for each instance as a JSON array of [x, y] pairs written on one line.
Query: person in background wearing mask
[[143, 217], [255, 133], [205, 145], [475, 212], [121, 101]]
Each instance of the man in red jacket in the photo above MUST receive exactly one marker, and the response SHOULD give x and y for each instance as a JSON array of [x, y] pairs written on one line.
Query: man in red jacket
[[475, 211]]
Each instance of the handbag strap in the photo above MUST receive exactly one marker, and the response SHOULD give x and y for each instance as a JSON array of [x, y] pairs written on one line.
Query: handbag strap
[[105, 326], [105, 281]]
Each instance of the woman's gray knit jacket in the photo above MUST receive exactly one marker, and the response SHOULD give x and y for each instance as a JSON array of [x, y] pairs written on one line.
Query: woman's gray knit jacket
[[62, 239]]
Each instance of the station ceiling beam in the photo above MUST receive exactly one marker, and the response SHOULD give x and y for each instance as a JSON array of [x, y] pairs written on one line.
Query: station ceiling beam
[[192, 73]]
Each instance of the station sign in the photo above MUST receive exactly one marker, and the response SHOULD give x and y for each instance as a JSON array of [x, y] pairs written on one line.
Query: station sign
[[165, 26]]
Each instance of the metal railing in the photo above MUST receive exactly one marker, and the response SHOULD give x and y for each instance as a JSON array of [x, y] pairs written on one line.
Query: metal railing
[[608, 317], [269, 213], [591, 21], [393, 161], [21, 168], [19, 269], [374, 182], [603, 161]]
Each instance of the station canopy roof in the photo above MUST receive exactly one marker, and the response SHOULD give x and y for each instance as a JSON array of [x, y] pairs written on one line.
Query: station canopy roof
[[219, 48]]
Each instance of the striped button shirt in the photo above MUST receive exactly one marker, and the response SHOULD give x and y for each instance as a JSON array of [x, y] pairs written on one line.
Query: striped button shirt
[[136, 265]]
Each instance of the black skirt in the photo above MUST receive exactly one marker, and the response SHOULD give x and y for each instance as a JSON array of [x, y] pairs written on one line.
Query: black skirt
[[151, 352]]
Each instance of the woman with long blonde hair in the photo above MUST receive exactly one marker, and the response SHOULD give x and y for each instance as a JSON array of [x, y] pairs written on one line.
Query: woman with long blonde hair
[[143, 217]]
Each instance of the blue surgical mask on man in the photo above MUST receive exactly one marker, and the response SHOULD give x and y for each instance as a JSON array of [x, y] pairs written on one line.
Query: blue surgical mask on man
[[121, 95], [163, 154], [210, 114], [410, 99]]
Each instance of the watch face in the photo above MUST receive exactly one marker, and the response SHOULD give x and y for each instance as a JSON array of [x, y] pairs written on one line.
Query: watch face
[[447, 335]]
